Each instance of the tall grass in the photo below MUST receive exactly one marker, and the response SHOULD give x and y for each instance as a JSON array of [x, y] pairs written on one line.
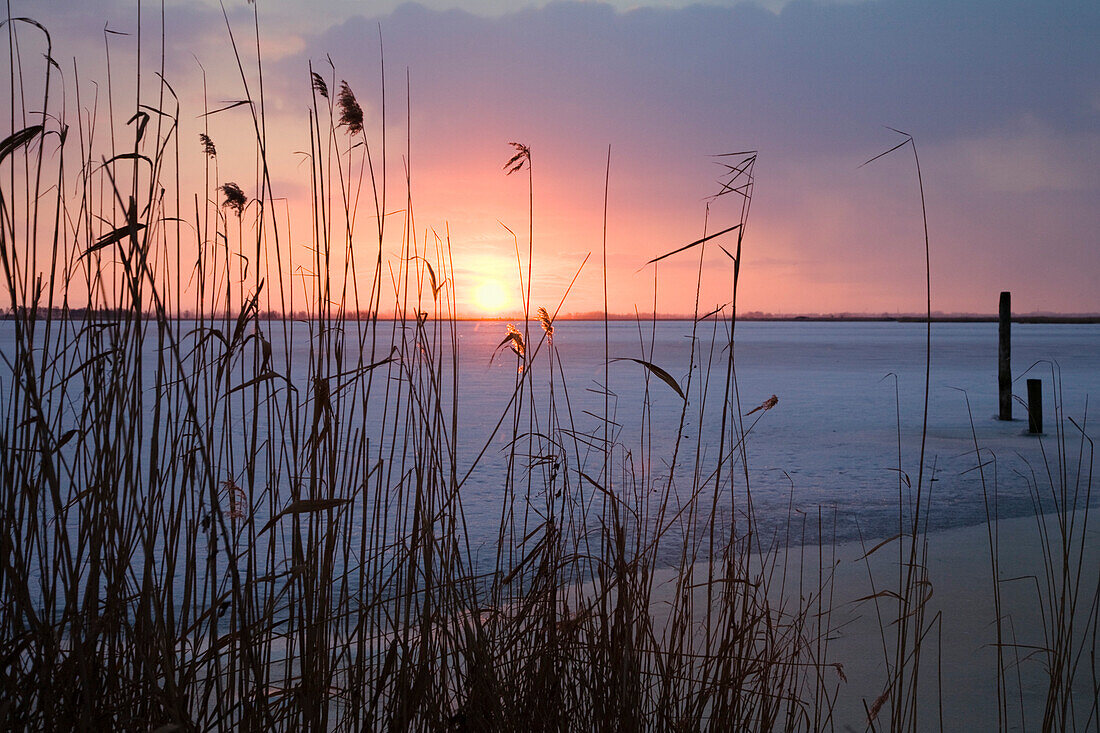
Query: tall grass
[[905, 629], [1062, 595], [238, 522]]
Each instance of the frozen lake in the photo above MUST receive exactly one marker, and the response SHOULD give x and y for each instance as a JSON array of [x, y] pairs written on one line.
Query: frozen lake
[[831, 442], [832, 439]]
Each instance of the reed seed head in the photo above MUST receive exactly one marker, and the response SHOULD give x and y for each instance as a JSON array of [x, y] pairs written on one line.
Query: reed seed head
[[515, 339], [517, 161], [237, 498], [207, 145], [765, 405], [319, 84], [351, 114], [234, 197], [547, 324]]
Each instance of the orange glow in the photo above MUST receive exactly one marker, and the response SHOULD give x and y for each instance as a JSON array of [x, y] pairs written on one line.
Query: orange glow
[[490, 297]]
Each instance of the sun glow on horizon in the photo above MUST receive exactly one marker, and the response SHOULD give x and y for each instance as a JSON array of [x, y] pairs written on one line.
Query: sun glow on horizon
[[490, 297]]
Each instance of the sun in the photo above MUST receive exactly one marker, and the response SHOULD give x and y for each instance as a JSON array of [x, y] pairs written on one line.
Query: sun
[[490, 296]]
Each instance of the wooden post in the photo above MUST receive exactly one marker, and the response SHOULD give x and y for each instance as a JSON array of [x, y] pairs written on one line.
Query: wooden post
[[1035, 406], [1004, 357]]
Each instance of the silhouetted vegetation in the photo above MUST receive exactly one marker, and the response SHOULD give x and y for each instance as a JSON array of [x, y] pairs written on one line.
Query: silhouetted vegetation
[[200, 531]]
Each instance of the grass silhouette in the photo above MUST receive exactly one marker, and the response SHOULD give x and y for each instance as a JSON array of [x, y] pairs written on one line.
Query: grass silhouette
[[232, 522]]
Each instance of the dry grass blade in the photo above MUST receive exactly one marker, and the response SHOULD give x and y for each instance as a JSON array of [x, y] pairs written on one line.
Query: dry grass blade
[[116, 235], [734, 155], [879, 546], [304, 506], [258, 379], [886, 593], [694, 244], [142, 119], [714, 311], [659, 373], [908, 139], [229, 106], [18, 139], [436, 287]]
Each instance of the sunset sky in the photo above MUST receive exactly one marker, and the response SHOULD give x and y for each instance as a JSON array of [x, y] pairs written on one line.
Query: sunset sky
[[1002, 98]]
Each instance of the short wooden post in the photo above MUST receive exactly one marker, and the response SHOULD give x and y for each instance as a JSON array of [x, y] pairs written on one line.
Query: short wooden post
[[1004, 357], [1035, 406]]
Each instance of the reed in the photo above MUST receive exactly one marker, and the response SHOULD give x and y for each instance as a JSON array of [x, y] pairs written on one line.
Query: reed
[[202, 530], [1058, 653], [213, 519]]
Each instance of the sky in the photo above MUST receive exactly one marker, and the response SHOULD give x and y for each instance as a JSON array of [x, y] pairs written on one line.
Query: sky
[[1002, 99]]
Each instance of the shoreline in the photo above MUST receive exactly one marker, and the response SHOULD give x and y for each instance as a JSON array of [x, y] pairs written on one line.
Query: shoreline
[[1053, 319], [959, 660]]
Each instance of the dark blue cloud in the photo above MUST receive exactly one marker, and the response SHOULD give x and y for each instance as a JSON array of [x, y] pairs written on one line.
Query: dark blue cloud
[[811, 75], [1003, 97]]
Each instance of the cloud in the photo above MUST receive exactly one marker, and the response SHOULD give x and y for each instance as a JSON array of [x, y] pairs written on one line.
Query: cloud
[[811, 73], [1001, 97]]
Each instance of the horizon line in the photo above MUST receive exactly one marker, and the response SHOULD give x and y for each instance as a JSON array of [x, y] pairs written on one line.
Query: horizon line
[[762, 316]]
